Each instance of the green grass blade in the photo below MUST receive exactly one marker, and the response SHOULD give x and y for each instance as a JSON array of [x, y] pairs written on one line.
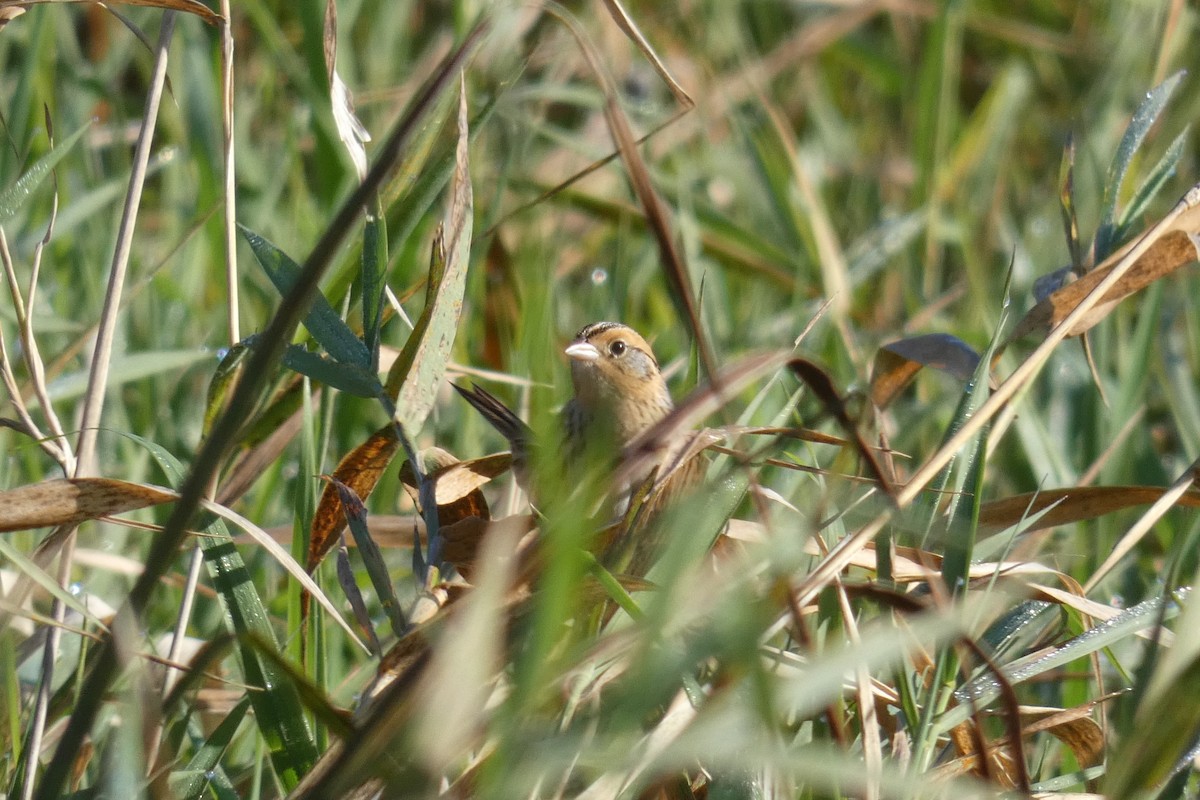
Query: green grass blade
[[15, 196], [1143, 120], [190, 782], [341, 375], [374, 276]]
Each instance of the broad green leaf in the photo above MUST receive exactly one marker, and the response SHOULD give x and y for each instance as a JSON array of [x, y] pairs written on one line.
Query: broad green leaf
[[343, 376], [330, 331]]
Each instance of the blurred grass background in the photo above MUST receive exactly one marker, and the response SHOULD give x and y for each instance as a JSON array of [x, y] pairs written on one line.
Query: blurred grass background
[[899, 159]]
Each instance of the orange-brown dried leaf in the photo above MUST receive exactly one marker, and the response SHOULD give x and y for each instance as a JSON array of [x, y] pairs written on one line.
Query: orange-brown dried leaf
[[1172, 251], [999, 762], [456, 483], [74, 500], [360, 470], [1074, 727], [1072, 505]]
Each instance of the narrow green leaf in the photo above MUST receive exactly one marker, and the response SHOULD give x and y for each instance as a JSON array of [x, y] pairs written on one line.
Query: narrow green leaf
[[330, 331], [345, 576], [377, 569], [1143, 119], [12, 198], [191, 781], [276, 702], [26, 565], [1112, 631], [1163, 170], [374, 271]]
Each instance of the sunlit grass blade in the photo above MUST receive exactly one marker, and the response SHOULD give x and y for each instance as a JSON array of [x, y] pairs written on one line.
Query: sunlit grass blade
[[15, 196], [1143, 120], [201, 770]]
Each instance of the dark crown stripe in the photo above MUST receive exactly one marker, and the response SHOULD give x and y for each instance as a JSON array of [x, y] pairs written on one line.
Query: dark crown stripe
[[596, 328]]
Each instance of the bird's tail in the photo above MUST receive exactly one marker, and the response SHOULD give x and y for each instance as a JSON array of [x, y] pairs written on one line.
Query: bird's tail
[[501, 417]]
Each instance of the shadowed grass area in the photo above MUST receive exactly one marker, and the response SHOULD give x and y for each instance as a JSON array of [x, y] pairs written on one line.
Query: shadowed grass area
[[942, 548]]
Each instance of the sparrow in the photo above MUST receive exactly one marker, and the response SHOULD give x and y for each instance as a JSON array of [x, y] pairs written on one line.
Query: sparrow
[[618, 395]]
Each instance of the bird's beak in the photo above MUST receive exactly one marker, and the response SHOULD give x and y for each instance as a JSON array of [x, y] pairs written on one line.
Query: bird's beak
[[582, 351]]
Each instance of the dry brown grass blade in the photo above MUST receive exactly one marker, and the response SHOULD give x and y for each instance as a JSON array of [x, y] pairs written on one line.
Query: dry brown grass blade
[[1073, 504], [74, 500], [1074, 727], [1174, 250], [194, 7], [630, 28], [821, 384], [642, 452], [360, 470]]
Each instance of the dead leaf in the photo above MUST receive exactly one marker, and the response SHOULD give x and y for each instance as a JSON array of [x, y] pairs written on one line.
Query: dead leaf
[[186, 6], [1072, 505], [1172, 251], [360, 470], [74, 500]]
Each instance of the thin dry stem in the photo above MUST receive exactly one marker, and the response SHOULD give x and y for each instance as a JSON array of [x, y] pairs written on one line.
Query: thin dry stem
[[231, 267], [57, 448], [93, 403], [1143, 525]]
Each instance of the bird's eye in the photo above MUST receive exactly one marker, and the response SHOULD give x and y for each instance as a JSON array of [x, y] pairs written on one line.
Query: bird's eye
[[617, 348]]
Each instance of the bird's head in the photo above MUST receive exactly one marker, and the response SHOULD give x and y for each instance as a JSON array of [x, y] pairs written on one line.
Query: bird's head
[[616, 378]]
